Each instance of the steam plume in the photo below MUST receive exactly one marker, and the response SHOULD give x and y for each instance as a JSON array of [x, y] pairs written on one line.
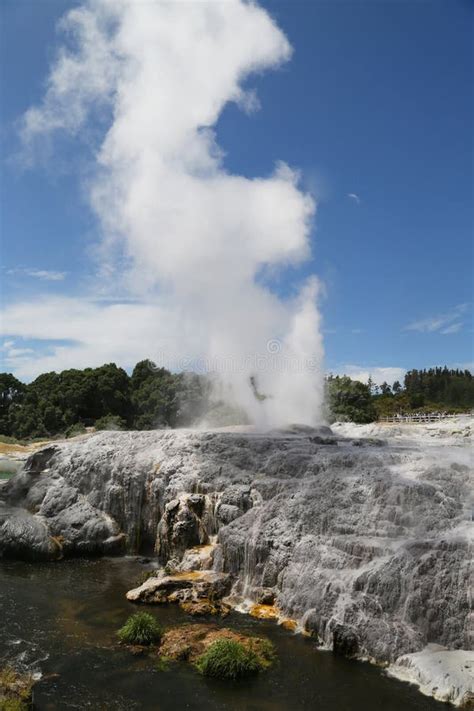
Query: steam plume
[[154, 77]]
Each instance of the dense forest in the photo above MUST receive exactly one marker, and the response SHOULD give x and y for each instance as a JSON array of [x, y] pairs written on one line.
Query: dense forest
[[105, 398], [108, 398]]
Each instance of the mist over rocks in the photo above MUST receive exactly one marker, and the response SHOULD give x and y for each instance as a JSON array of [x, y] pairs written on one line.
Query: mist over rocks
[[368, 548]]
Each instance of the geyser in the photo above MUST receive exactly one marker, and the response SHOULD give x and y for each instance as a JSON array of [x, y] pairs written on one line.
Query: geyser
[[203, 248]]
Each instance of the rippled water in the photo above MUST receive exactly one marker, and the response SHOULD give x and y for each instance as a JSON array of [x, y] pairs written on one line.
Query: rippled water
[[61, 618]]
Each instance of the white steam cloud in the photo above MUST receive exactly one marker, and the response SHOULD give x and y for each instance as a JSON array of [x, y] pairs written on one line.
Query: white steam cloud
[[155, 76]]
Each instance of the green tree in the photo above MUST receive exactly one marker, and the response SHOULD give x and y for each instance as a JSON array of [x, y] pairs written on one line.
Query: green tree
[[26, 422], [54, 402], [349, 400], [371, 385], [112, 391], [53, 420], [12, 392], [153, 394]]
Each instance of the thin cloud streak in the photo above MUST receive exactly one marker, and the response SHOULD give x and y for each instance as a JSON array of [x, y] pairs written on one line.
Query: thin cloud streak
[[454, 328], [446, 323], [42, 274]]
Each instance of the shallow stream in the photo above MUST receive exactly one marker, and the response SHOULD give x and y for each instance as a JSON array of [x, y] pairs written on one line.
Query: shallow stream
[[60, 619]]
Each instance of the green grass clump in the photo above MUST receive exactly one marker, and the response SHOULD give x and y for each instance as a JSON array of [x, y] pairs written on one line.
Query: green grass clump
[[140, 628], [15, 690], [13, 705], [228, 659], [264, 650]]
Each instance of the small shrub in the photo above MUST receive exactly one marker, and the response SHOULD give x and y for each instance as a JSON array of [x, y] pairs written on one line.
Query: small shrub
[[15, 690], [228, 659], [140, 628], [77, 429], [4, 439], [13, 705], [110, 422]]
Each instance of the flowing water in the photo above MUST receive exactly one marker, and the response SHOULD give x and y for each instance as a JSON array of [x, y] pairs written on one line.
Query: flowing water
[[61, 618]]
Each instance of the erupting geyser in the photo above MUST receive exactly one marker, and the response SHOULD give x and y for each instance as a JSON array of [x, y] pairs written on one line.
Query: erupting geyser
[[202, 247]]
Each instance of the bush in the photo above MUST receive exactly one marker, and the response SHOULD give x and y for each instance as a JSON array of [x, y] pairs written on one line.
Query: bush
[[76, 429], [110, 422], [228, 659], [13, 705], [10, 440], [140, 628], [15, 690], [349, 400]]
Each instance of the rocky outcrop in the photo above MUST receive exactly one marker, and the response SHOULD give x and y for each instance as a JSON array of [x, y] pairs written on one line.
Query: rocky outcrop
[[197, 592], [185, 523], [368, 548], [448, 675], [189, 642], [42, 516]]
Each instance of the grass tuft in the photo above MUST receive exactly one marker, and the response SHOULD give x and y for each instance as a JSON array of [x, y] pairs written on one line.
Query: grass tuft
[[228, 659], [140, 628], [15, 690], [13, 705]]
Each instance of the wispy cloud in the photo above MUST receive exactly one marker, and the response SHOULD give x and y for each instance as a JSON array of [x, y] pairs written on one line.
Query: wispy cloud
[[446, 323], [453, 328], [355, 197], [42, 274], [12, 356], [76, 333]]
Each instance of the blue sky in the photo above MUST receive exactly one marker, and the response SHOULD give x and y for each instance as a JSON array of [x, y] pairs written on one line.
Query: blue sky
[[375, 109]]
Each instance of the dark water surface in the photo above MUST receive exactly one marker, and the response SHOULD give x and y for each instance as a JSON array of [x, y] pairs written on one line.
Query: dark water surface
[[61, 618]]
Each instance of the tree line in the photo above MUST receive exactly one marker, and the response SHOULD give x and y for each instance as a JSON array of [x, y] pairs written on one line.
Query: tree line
[[108, 398], [105, 398], [428, 390]]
